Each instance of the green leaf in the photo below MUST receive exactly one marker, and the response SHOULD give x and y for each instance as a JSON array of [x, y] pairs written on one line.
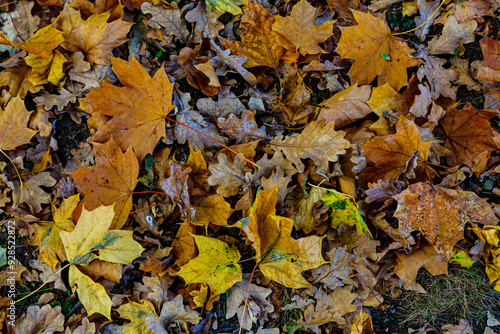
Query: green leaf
[[345, 211], [230, 6]]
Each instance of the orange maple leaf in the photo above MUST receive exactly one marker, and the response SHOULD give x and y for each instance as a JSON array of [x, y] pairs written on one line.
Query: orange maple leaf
[[111, 180], [258, 42], [375, 51], [138, 109]]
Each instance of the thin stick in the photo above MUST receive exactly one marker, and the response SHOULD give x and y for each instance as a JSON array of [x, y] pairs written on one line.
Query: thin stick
[[15, 168], [148, 192], [246, 298], [405, 32], [218, 142], [14, 23], [148, 207], [465, 250]]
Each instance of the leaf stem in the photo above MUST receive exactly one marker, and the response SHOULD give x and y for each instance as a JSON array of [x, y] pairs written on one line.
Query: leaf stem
[[41, 286], [15, 168], [246, 298]]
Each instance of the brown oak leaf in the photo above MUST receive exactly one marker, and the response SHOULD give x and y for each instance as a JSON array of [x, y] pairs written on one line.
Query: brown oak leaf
[[318, 141], [177, 189]]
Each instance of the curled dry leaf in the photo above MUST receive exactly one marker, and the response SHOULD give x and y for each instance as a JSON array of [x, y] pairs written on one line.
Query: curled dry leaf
[[41, 320], [391, 153], [176, 188], [228, 176]]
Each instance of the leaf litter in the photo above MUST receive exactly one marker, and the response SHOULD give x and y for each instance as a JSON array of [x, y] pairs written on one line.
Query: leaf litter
[[276, 166]]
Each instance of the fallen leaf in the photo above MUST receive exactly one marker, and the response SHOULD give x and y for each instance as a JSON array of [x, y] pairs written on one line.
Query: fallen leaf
[[211, 209], [225, 59], [452, 37], [318, 141], [229, 6], [408, 265], [259, 42], [47, 234], [94, 37], [244, 129], [347, 106], [461, 68], [41, 320], [439, 213], [137, 313], [385, 98], [491, 52], [228, 176], [173, 314], [279, 256], [92, 236], [367, 43], [13, 125], [362, 324], [438, 77], [168, 18], [216, 265], [88, 8], [257, 305], [42, 43], [196, 121], [298, 32], [177, 189], [429, 11], [29, 191], [138, 109], [338, 271], [344, 211], [467, 10], [462, 328], [391, 153], [464, 141], [329, 307], [303, 215], [111, 180]]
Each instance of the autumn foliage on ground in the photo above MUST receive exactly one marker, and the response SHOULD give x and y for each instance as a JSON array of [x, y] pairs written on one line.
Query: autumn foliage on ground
[[189, 166]]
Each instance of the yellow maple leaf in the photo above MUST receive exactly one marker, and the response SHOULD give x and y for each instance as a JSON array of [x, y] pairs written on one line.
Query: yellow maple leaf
[[216, 265], [375, 51], [298, 32], [47, 235], [91, 239], [279, 256], [42, 43], [137, 313]]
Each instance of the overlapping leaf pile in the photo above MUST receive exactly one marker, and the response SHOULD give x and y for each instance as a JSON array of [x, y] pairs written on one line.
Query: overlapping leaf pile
[[349, 149]]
